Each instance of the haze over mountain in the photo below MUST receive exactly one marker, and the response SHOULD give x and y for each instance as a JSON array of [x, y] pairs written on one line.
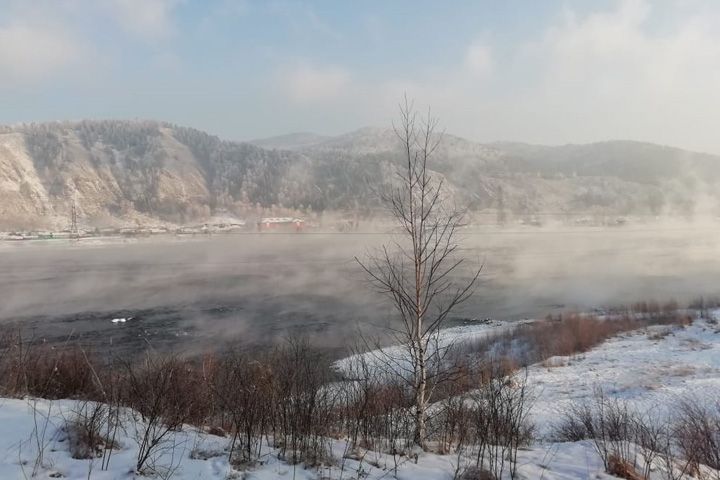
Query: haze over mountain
[[290, 141], [130, 171]]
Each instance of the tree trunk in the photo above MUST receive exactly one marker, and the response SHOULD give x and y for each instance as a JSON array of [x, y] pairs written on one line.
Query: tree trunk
[[420, 403]]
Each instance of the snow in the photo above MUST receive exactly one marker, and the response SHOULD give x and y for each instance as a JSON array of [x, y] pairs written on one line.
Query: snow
[[651, 367], [398, 356], [29, 426], [20, 419]]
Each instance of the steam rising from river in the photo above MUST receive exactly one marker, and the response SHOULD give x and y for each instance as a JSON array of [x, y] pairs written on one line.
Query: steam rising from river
[[257, 286]]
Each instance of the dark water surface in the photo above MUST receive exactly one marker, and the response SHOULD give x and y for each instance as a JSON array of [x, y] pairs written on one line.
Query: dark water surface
[[203, 293]]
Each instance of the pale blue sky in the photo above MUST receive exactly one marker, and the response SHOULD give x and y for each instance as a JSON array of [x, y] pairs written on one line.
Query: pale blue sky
[[542, 71]]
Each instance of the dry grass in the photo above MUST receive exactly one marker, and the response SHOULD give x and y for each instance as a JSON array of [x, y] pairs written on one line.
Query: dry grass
[[550, 340], [656, 334], [474, 473], [622, 469], [555, 362]]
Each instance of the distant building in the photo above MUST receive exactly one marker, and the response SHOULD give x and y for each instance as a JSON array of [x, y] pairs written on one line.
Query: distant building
[[281, 224], [233, 226]]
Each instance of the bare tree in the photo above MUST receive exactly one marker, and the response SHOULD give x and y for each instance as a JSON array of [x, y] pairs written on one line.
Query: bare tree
[[418, 271]]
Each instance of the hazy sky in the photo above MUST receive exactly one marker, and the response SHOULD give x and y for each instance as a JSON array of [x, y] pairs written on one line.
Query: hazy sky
[[539, 71]]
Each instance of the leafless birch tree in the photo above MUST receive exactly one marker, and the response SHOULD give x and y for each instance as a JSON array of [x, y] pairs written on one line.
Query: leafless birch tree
[[418, 270]]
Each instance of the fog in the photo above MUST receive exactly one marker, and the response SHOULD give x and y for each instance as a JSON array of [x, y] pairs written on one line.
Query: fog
[[199, 293]]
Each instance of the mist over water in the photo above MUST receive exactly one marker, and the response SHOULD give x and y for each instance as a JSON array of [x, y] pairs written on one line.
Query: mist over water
[[254, 288]]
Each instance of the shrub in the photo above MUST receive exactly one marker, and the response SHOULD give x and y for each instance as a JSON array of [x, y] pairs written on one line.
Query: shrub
[[474, 473], [85, 430], [621, 468], [156, 390], [697, 433], [609, 422]]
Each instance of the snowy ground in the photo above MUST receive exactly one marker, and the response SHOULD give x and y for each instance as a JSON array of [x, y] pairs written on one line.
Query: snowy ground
[[653, 367], [398, 356], [28, 426]]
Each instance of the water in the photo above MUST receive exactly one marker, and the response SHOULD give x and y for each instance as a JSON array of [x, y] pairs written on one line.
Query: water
[[198, 295]]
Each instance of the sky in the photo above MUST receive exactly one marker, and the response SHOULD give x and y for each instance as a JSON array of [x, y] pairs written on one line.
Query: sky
[[537, 71]]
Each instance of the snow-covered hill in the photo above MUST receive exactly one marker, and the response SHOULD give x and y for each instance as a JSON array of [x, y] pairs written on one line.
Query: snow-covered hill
[[142, 171]]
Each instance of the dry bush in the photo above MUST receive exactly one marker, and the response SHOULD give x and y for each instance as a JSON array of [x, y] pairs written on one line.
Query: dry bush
[[652, 434], [474, 473], [620, 468], [242, 387], [701, 305], [202, 454], [576, 424], [555, 362], [165, 385], [497, 418], [377, 415], [304, 412], [646, 307], [86, 430], [670, 307], [621, 434], [452, 421], [38, 369], [688, 444], [659, 334], [159, 390], [679, 318], [697, 433], [568, 334], [610, 423], [16, 355], [62, 373], [8, 377]]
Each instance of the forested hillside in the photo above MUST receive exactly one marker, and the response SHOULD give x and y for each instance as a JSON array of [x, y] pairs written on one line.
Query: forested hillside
[[144, 171]]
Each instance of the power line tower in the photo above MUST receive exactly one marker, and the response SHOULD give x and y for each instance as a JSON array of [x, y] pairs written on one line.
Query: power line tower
[[74, 233]]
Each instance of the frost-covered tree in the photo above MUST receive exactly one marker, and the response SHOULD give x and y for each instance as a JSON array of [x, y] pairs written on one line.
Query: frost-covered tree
[[418, 270]]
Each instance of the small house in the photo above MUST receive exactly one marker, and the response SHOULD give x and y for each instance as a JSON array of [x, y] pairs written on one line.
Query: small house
[[281, 224]]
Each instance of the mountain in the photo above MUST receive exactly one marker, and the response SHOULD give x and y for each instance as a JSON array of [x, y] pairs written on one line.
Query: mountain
[[617, 177], [142, 171], [640, 162], [120, 171], [290, 141]]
